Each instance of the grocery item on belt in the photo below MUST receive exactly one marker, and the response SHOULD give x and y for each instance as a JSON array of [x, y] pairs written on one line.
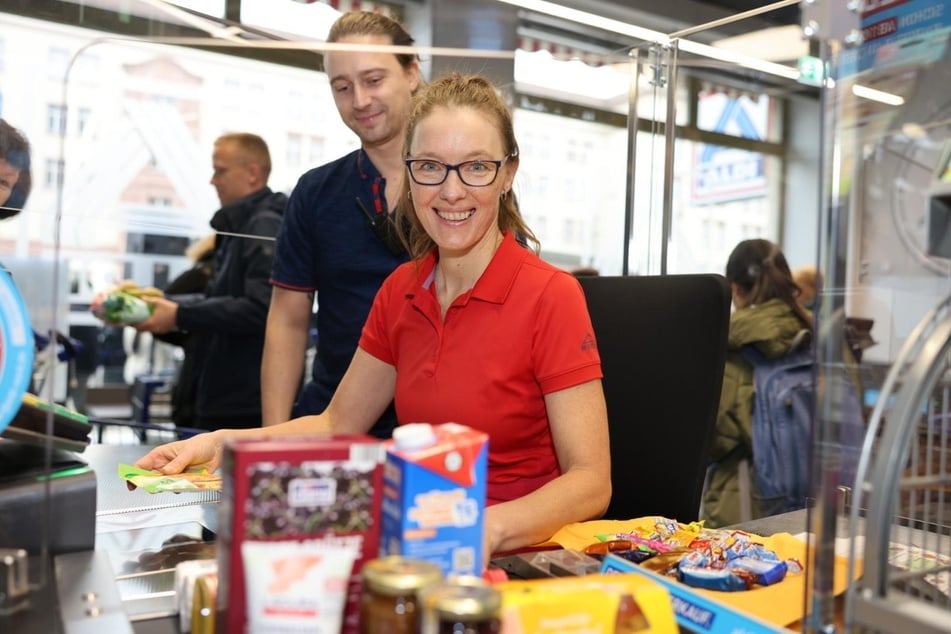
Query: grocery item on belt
[[155, 482], [434, 496], [766, 571], [622, 604], [124, 304], [722, 560], [120, 308], [391, 594], [297, 586], [303, 515]]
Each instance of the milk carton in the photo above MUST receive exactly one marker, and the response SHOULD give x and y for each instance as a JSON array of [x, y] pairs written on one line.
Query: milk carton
[[434, 495]]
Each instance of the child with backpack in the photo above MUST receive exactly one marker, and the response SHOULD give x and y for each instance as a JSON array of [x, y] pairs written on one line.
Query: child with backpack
[[769, 320]]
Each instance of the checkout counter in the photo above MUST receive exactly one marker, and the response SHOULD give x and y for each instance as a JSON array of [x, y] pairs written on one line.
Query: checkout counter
[[120, 586], [115, 587]]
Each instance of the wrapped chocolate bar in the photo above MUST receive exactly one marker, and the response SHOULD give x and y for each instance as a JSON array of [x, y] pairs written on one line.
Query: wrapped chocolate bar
[[765, 571], [719, 579]]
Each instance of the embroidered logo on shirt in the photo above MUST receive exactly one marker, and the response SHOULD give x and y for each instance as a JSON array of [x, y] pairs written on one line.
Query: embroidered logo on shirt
[[588, 342]]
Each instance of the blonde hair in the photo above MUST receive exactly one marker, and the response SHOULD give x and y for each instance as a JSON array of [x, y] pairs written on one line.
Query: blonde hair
[[252, 149], [200, 247], [462, 91]]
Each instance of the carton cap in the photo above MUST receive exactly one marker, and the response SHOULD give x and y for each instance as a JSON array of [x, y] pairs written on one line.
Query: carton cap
[[413, 436]]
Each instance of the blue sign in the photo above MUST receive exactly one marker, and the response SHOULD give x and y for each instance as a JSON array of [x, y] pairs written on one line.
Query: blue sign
[[722, 174], [16, 350], [899, 32], [693, 611]]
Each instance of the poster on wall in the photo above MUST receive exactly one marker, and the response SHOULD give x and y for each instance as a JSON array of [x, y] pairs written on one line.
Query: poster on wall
[[723, 174]]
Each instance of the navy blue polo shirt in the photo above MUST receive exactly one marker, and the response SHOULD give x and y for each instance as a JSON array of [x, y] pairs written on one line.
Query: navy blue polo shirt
[[326, 245]]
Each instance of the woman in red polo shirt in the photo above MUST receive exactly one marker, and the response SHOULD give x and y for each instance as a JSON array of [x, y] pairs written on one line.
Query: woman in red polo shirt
[[476, 329]]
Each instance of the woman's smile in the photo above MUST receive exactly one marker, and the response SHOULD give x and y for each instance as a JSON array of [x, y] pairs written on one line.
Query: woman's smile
[[455, 216]]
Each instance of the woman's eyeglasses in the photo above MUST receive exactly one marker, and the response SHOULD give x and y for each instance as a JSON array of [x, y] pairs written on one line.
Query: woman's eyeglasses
[[473, 173]]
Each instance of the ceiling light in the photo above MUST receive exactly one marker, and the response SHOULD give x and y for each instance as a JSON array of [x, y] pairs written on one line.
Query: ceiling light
[[649, 35], [590, 19], [881, 96]]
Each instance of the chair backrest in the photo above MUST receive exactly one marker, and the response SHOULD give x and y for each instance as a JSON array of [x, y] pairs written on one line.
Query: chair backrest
[[662, 341]]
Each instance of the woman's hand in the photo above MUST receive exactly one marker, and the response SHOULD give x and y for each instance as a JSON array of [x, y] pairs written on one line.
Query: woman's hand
[[203, 450]]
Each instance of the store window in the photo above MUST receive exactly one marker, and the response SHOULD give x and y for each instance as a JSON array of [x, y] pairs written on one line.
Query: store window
[[573, 202], [732, 186], [737, 113]]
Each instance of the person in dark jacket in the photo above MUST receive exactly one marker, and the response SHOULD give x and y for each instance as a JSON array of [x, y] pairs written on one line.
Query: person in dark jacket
[[768, 316], [188, 286], [228, 323]]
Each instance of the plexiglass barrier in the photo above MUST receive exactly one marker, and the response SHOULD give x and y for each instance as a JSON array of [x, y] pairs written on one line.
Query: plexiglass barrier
[[654, 158]]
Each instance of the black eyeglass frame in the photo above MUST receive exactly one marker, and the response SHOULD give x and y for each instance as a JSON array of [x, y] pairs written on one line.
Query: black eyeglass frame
[[457, 170]]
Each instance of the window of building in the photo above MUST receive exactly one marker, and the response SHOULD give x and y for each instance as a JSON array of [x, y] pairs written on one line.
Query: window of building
[[57, 61], [82, 119], [55, 118], [86, 67], [293, 156], [54, 173], [317, 154]]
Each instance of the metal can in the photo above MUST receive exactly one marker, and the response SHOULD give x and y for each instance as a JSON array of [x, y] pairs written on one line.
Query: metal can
[[391, 585], [462, 605], [203, 604]]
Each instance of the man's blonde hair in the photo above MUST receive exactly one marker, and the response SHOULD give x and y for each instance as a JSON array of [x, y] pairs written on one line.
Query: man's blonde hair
[[252, 149]]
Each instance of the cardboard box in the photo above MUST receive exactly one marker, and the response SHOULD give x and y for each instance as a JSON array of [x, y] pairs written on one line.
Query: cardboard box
[[297, 489], [590, 603], [434, 497], [693, 611]]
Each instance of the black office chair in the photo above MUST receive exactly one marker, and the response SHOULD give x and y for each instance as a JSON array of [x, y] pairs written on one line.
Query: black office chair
[[662, 341]]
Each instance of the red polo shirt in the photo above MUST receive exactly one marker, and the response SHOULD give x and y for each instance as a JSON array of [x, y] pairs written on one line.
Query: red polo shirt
[[521, 332]]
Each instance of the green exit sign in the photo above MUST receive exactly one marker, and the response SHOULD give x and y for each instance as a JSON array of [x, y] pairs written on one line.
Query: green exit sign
[[811, 70]]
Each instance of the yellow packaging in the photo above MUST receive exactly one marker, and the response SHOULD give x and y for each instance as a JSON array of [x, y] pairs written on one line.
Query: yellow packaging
[[588, 604]]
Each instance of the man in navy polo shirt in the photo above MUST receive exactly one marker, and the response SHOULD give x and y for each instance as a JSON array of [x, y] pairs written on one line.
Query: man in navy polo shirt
[[334, 240]]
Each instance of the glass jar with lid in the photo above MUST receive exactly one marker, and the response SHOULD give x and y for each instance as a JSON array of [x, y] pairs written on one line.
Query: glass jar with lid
[[391, 585], [462, 605]]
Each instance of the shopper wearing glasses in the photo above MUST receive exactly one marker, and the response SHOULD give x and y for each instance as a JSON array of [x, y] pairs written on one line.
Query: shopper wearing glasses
[[476, 329]]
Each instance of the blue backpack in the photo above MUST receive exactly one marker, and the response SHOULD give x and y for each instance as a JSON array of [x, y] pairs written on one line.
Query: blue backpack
[[783, 431]]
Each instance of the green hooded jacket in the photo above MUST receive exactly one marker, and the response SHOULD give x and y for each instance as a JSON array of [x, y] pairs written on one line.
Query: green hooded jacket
[[772, 328]]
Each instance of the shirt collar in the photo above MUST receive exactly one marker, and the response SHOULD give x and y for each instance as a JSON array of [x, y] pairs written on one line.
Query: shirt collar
[[365, 166], [496, 281]]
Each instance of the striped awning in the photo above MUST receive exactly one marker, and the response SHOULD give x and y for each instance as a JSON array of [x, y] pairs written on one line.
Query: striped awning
[[559, 51], [345, 6]]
